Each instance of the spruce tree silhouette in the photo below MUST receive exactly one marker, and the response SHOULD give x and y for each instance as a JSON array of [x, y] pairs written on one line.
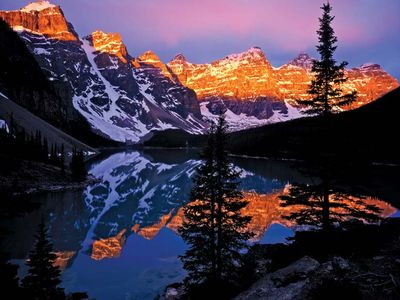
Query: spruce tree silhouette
[[325, 88], [77, 166], [43, 279], [213, 225], [326, 201]]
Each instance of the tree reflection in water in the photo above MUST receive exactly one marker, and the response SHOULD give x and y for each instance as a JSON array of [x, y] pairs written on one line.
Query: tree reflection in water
[[325, 203]]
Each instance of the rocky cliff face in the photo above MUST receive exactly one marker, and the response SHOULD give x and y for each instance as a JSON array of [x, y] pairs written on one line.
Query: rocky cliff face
[[251, 92], [123, 98], [41, 18], [243, 76]]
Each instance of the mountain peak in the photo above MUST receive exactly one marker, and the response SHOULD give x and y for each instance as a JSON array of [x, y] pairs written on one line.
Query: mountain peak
[[41, 18], [37, 6], [253, 52], [255, 49], [303, 60], [370, 66], [110, 43], [179, 58], [149, 57]]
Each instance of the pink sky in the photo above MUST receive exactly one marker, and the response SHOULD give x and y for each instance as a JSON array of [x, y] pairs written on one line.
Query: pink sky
[[205, 30]]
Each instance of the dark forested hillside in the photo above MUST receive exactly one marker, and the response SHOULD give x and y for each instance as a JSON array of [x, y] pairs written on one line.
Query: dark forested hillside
[[367, 133], [22, 80]]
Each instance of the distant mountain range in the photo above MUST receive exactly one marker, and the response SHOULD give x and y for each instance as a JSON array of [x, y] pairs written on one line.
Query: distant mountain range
[[365, 134], [127, 98]]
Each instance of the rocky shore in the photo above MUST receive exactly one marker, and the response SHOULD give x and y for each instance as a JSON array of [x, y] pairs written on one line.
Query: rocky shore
[[359, 262]]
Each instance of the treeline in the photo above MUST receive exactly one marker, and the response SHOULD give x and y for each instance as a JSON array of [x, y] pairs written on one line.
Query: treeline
[[43, 279], [17, 143]]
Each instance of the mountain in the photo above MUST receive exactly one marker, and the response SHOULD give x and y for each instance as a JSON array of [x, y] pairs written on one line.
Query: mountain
[[22, 79], [365, 133], [31, 124], [252, 92], [241, 85], [122, 98], [127, 98]]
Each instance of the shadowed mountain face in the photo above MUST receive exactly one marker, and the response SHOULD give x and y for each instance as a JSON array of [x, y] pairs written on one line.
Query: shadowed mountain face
[[127, 223], [363, 134], [125, 98], [122, 98]]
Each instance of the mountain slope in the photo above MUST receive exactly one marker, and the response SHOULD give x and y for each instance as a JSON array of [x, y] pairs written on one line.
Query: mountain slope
[[32, 123], [22, 79], [121, 98], [368, 132], [25, 82], [252, 93], [127, 98]]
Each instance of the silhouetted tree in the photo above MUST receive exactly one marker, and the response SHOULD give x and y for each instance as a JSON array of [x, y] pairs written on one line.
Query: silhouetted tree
[[322, 205], [62, 160], [329, 76], [214, 227], [9, 284], [77, 165], [43, 279]]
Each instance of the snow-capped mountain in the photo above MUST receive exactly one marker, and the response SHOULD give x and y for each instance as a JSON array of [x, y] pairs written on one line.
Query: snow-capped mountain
[[125, 97], [241, 85], [122, 98], [252, 92]]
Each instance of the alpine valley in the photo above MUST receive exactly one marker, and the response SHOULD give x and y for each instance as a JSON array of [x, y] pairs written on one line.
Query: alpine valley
[[126, 97]]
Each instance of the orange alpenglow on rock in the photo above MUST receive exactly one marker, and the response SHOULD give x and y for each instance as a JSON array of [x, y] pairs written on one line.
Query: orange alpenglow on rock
[[249, 75], [110, 43], [242, 76], [63, 258], [41, 18], [150, 59], [109, 247], [264, 210], [150, 232]]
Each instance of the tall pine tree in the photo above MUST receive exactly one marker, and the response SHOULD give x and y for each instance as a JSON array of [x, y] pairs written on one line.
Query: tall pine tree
[[43, 277], [214, 227], [325, 88], [77, 166]]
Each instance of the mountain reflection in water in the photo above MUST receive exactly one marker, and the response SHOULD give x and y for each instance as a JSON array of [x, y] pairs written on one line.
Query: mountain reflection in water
[[118, 238]]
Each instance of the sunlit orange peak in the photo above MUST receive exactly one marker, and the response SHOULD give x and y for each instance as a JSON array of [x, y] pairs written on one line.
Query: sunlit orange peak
[[110, 43], [109, 247]]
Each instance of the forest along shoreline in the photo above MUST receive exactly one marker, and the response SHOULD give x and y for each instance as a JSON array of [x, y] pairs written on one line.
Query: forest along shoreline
[[23, 177]]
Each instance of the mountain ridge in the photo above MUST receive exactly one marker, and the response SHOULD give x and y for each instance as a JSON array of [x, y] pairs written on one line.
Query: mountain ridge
[[127, 98]]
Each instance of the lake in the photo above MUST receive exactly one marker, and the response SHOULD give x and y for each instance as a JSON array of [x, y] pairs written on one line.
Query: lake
[[117, 239]]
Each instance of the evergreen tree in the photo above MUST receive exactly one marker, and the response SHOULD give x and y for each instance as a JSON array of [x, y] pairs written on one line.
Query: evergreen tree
[[62, 160], [9, 284], [78, 169], [324, 205], [214, 227], [43, 277], [45, 150], [329, 75]]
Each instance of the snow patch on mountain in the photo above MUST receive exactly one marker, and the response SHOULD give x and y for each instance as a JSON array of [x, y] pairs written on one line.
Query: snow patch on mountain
[[3, 125], [104, 120], [37, 6], [243, 121]]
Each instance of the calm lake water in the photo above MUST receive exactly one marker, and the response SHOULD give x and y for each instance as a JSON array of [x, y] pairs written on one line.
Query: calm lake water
[[118, 238]]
